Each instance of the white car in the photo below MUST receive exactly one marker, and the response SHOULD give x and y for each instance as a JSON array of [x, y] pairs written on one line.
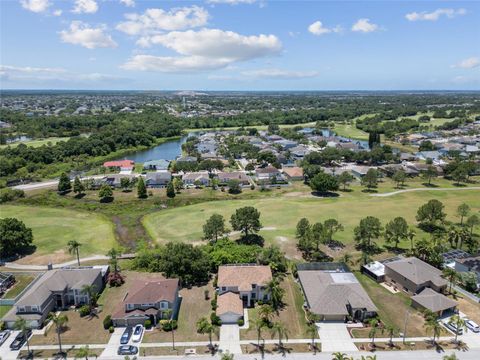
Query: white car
[[4, 336], [473, 326], [137, 333]]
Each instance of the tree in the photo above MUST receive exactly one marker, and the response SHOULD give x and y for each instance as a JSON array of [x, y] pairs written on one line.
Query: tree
[[258, 325], [340, 356], [125, 183], [265, 313], [411, 235], [368, 230], [472, 221], [92, 294], [105, 193], [459, 175], [459, 323], [429, 174], [463, 211], [373, 331], [431, 213], [141, 189], [227, 356], [452, 356], [399, 177], [22, 326], [14, 237], [324, 183], [170, 190], [205, 327], [370, 179], [317, 235], [281, 331], [177, 184], [391, 331], [114, 277], [78, 187], [168, 313], [303, 228], [59, 321], [83, 352], [331, 227], [214, 228], [246, 220], [396, 230], [454, 236], [276, 293], [451, 275], [234, 186], [312, 332], [64, 184], [73, 248], [345, 178], [432, 323]]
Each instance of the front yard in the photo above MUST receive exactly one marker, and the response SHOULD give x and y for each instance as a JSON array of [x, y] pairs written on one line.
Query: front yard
[[292, 315]]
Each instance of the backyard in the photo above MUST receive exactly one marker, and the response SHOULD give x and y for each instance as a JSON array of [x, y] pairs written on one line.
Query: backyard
[[21, 282]]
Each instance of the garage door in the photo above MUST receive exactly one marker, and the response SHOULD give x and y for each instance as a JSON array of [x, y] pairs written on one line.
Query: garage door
[[229, 318]]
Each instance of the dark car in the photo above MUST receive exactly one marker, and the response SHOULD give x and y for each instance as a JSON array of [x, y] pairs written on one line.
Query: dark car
[[127, 350], [126, 335], [20, 340]]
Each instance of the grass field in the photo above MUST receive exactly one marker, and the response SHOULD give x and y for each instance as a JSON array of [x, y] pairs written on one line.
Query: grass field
[[38, 142], [53, 228], [350, 131], [4, 309], [21, 282], [279, 215]]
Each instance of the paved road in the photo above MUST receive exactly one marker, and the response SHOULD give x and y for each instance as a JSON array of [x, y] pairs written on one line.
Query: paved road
[[49, 183], [426, 189]]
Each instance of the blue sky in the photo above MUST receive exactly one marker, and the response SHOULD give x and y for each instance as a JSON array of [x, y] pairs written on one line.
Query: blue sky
[[240, 45]]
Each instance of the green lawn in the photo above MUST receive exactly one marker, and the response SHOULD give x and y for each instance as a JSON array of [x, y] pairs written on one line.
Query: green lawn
[[350, 131], [38, 142], [53, 228], [4, 309], [280, 214], [21, 282]]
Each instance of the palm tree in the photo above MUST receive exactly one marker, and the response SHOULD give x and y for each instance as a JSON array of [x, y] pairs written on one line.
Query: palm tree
[[265, 312], [276, 293], [391, 331], [452, 277], [227, 356], [169, 313], [452, 356], [411, 235], [90, 291], [73, 248], [83, 352], [340, 356], [432, 323], [460, 324], [59, 321], [312, 331], [113, 254], [205, 327], [21, 324], [258, 324], [373, 331], [281, 331]]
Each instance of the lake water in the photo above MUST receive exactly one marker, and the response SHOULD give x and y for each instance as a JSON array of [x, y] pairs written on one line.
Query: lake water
[[169, 150]]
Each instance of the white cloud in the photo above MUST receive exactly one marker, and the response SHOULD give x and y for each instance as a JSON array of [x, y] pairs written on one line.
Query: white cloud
[[154, 20], [279, 74], [364, 25], [317, 28], [205, 49], [231, 2], [435, 15], [128, 3], [86, 36], [469, 63], [57, 12], [85, 6], [36, 6]]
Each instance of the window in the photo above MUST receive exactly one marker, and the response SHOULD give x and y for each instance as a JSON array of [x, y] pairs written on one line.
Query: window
[[34, 308], [254, 286], [163, 305], [224, 288], [253, 295], [21, 309], [129, 306]]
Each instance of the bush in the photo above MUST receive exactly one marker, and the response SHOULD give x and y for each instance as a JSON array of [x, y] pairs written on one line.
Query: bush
[[240, 322], [111, 329], [252, 187], [168, 325], [115, 279], [84, 310], [107, 322], [10, 194], [214, 304], [148, 324], [215, 320]]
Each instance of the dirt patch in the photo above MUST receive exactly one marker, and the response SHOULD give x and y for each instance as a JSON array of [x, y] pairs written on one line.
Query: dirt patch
[[281, 238], [57, 257]]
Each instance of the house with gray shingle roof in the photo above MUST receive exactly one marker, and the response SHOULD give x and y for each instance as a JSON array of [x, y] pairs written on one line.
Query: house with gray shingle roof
[[431, 300]]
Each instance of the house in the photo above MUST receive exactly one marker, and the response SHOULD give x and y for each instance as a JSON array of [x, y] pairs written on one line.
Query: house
[[120, 164], [412, 275], [225, 177], [187, 159], [293, 173], [469, 264], [159, 179], [55, 290], [6, 281], [333, 293], [148, 300], [156, 165], [267, 173], [229, 308], [192, 178], [429, 299], [248, 281], [424, 155], [375, 269], [286, 144], [114, 180]]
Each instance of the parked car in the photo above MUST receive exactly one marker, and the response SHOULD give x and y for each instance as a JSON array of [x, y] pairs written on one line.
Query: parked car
[[20, 340], [126, 335], [473, 326], [127, 350], [137, 333], [4, 336], [453, 328]]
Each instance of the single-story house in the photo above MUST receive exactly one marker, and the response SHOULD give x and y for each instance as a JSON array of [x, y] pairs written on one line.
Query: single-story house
[[248, 281], [186, 159], [148, 300], [158, 179], [156, 165], [333, 294], [114, 180], [54, 290], [191, 178], [229, 307], [431, 300], [424, 155], [267, 173], [120, 164], [471, 264], [293, 172], [412, 275], [225, 177]]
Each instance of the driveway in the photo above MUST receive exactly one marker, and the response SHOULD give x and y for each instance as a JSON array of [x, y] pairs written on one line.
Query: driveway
[[113, 343], [5, 352], [334, 336], [230, 339]]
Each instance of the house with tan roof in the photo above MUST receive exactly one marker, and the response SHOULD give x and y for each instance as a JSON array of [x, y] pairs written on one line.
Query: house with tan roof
[[293, 172], [149, 299], [248, 282]]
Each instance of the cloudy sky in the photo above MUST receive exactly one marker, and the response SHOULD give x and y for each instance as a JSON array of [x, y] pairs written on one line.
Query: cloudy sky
[[239, 45]]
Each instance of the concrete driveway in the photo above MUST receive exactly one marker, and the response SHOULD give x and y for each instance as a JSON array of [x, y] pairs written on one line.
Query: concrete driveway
[[230, 339], [5, 352], [334, 336], [113, 344]]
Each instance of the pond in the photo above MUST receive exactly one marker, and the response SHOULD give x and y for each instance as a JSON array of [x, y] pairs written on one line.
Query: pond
[[169, 150]]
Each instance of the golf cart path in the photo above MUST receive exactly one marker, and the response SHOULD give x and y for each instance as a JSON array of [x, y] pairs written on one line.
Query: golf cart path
[[426, 189], [13, 265]]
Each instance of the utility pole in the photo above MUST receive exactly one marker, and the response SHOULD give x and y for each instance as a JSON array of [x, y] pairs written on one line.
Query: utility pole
[[405, 326]]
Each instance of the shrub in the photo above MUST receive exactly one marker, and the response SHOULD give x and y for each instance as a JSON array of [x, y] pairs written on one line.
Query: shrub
[[84, 310], [107, 322], [240, 322], [10, 194], [111, 329], [252, 187], [115, 279], [148, 324], [215, 320], [168, 325], [214, 304]]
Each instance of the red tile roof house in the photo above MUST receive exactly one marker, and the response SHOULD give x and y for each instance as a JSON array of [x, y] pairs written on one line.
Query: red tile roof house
[[120, 164], [148, 300], [240, 286]]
